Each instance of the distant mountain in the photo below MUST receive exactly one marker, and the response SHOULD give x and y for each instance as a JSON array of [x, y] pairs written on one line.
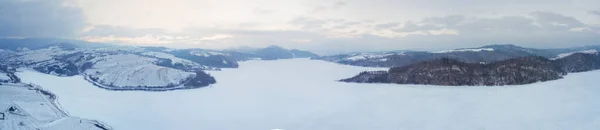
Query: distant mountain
[[271, 53], [303, 54], [452, 72], [484, 54]]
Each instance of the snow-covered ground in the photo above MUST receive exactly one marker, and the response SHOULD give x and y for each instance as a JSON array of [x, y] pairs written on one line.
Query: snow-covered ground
[[364, 56], [466, 50], [302, 94], [4, 77], [174, 60], [562, 55], [33, 110], [126, 71]]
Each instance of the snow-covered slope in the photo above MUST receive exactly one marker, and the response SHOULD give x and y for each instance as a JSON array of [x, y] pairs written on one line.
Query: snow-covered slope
[[4, 77], [370, 56], [173, 59], [466, 50], [132, 71], [116, 68], [207, 53], [562, 55], [303, 94], [26, 107]]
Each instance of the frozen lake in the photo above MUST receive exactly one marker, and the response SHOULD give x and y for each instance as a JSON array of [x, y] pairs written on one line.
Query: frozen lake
[[302, 94]]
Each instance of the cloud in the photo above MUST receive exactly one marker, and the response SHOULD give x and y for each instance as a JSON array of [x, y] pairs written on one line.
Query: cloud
[[546, 18], [449, 21], [308, 23], [258, 10], [494, 26], [107, 30], [40, 18], [216, 37], [410, 26], [345, 25], [595, 12], [387, 25], [535, 29], [333, 6], [339, 4]]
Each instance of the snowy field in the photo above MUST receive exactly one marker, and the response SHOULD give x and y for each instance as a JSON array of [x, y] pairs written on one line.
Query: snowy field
[[302, 94]]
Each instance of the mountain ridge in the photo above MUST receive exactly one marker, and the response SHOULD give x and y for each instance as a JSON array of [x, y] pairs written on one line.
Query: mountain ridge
[[485, 54]]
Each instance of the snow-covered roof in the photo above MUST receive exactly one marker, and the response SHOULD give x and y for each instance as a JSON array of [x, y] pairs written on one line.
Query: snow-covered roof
[[38, 110]]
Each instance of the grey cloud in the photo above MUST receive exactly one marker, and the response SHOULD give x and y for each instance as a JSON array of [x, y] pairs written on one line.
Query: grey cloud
[[450, 21], [410, 26], [546, 18], [319, 9], [390, 25], [534, 31], [539, 22], [262, 11], [540, 30], [506, 24], [39, 18], [529, 31], [335, 5], [106, 30], [345, 25], [308, 23], [339, 4], [595, 12]]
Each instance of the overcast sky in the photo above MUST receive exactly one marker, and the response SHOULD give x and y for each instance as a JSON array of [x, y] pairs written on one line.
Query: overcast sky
[[316, 25]]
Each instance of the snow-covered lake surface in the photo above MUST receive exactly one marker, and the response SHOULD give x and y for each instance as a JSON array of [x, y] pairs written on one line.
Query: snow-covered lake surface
[[302, 94]]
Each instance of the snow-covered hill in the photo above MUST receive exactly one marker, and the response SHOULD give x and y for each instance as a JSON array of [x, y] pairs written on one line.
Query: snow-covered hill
[[128, 71], [562, 55], [116, 68], [28, 107]]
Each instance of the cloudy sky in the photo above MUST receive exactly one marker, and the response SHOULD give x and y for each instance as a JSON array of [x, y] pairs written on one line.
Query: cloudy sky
[[316, 25]]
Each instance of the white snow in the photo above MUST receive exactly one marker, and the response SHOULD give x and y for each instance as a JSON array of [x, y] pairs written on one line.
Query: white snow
[[70, 123], [42, 54], [206, 53], [4, 77], [35, 111], [467, 50], [38, 110], [127, 70], [173, 59], [302, 94], [562, 55], [363, 56]]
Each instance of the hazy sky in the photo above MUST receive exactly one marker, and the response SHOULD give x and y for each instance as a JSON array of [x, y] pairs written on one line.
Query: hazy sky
[[317, 25]]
